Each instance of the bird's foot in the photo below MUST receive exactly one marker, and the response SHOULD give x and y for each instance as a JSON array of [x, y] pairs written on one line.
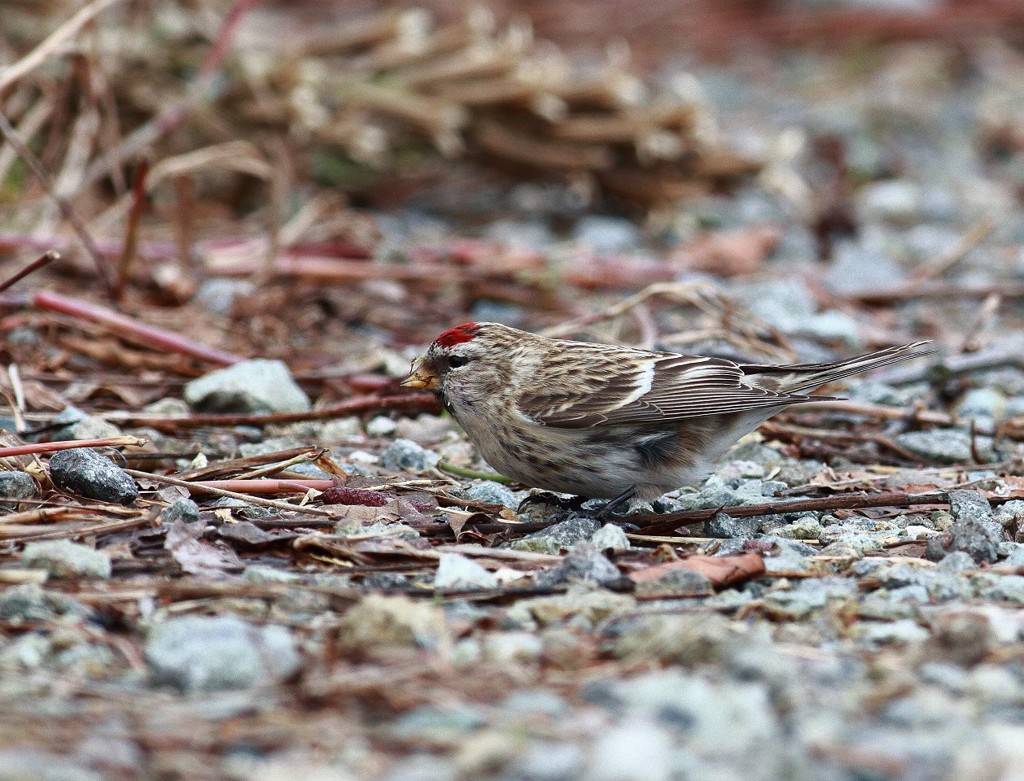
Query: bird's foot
[[564, 505], [605, 513]]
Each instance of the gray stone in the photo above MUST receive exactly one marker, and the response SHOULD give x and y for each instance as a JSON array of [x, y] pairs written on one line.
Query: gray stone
[[786, 561], [896, 201], [458, 573], [492, 493], [219, 294], [66, 559], [182, 509], [904, 631], [720, 715], [85, 472], [610, 537], [607, 234], [615, 754], [1010, 515], [974, 530], [199, 653], [262, 573], [982, 403], [380, 426], [93, 428], [29, 601], [541, 701], [858, 542], [406, 455], [944, 445], [789, 305], [851, 259], [806, 527], [420, 767], [267, 445], [25, 602], [560, 536], [725, 526], [433, 724], [676, 583], [956, 563], [583, 563], [341, 431], [1007, 588], [531, 235], [16, 485], [505, 648], [875, 392], [77, 424], [167, 406], [254, 386], [550, 761], [939, 585], [27, 764], [1015, 558], [808, 596]]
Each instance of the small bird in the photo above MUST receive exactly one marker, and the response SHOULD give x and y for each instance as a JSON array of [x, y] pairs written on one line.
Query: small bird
[[602, 421]]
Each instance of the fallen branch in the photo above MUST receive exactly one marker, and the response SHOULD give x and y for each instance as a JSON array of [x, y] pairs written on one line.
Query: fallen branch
[[207, 489], [850, 502], [52, 43], [50, 447], [131, 329], [46, 259], [408, 402]]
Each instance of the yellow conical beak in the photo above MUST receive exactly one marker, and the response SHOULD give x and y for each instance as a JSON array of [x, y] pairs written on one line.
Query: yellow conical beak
[[421, 379]]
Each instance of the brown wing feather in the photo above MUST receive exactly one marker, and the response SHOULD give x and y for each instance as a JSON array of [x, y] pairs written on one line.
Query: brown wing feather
[[635, 387]]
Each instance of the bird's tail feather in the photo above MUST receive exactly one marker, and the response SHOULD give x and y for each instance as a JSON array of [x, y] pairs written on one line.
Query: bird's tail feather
[[801, 377]]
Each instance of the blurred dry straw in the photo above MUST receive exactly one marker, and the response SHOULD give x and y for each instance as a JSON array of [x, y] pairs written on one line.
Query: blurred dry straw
[[209, 90]]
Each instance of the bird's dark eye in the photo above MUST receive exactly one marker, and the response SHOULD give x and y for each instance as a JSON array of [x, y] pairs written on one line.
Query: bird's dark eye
[[455, 361]]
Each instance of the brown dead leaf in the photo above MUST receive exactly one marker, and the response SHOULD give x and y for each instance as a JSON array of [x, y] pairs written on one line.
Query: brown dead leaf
[[196, 556], [728, 253], [722, 571], [249, 533]]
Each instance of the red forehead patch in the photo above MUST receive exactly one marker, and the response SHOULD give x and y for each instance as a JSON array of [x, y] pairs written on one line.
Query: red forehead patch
[[457, 335]]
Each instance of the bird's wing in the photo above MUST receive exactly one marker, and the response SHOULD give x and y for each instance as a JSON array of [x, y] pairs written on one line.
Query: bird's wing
[[634, 387]]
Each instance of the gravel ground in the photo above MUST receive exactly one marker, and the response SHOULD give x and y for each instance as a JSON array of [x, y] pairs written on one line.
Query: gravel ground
[[880, 643]]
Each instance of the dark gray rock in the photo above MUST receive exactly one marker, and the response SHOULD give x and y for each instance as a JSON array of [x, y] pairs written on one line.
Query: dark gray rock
[[974, 529], [724, 525], [85, 472], [492, 493], [199, 653], [944, 445], [31, 602], [404, 454], [607, 234], [583, 563], [559, 536], [677, 583], [182, 509], [28, 764], [15, 485], [66, 559]]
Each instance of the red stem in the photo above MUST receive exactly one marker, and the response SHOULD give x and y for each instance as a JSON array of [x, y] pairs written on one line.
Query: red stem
[[132, 329]]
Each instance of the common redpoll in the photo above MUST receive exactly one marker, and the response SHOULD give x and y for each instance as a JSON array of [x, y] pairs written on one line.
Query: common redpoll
[[602, 421]]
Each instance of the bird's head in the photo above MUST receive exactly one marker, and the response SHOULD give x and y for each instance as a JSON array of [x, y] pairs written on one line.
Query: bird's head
[[464, 363]]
